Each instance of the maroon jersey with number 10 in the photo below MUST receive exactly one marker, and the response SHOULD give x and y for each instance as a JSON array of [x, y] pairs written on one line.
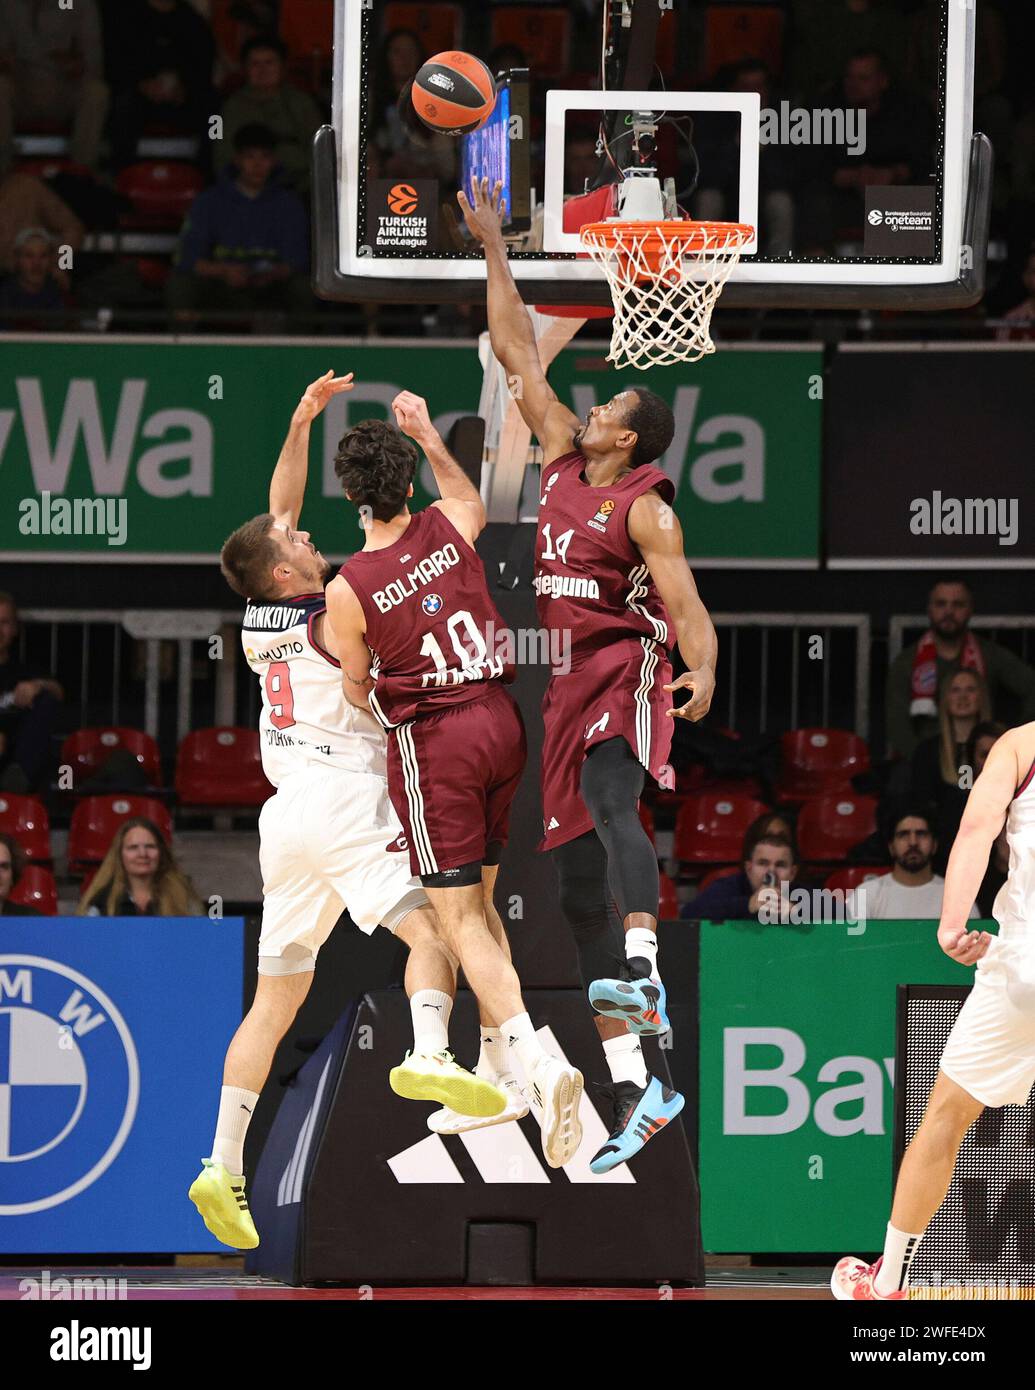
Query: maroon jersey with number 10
[[434, 633]]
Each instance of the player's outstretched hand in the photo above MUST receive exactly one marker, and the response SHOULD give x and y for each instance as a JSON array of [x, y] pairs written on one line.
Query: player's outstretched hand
[[965, 947], [318, 393], [483, 210], [702, 683], [411, 415]]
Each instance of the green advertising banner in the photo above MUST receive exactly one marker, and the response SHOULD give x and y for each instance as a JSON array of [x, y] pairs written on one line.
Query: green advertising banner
[[797, 1048], [747, 454], [117, 449]]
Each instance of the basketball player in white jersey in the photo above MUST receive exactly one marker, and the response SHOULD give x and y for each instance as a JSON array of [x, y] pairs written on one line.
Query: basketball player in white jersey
[[989, 1058], [329, 838]]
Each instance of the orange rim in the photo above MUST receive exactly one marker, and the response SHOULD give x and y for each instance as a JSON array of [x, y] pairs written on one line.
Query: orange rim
[[653, 239]]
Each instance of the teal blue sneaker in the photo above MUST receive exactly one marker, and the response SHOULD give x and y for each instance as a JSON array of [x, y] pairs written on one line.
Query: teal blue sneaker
[[639, 1114]]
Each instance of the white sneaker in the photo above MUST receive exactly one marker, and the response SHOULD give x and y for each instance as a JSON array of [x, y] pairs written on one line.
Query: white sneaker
[[555, 1089], [446, 1121], [436, 1076]]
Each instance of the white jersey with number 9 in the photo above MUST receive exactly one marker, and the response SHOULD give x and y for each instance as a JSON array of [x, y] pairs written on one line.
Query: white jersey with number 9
[[305, 716]]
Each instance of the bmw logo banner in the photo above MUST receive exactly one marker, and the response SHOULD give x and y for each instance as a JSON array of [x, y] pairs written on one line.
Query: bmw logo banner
[[112, 1036]]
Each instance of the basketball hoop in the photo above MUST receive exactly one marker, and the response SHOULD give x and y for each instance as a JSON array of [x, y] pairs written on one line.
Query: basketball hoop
[[665, 278]]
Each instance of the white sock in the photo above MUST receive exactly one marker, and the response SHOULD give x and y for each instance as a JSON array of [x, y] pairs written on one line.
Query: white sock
[[235, 1114], [492, 1059], [643, 943], [899, 1249], [625, 1059], [430, 1010], [519, 1035]]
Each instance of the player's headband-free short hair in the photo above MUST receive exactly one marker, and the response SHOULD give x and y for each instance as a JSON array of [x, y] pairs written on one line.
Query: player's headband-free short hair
[[376, 464]]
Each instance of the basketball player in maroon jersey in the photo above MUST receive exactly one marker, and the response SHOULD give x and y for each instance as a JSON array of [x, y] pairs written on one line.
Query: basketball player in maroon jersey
[[611, 576], [416, 630]]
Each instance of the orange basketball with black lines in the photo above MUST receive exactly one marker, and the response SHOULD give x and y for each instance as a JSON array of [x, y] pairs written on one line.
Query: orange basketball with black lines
[[454, 93]]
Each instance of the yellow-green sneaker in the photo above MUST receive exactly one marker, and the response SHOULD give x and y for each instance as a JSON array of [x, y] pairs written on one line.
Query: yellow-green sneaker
[[219, 1197], [436, 1076]]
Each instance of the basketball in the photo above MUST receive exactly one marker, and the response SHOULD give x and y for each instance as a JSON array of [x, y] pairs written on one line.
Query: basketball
[[454, 93]]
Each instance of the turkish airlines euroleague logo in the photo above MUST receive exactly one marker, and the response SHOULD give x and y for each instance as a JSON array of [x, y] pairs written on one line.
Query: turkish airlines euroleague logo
[[403, 199], [402, 217]]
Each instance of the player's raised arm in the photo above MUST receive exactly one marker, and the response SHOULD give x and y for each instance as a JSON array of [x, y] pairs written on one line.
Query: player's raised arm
[[986, 809], [461, 500], [655, 531], [287, 486], [510, 328], [345, 613]]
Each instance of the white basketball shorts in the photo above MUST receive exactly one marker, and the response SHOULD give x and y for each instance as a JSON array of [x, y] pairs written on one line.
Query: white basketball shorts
[[329, 840], [991, 1049]]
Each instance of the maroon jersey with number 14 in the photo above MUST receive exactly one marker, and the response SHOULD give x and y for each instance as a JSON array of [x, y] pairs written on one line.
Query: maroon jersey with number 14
[[456, 743], [596, 597]]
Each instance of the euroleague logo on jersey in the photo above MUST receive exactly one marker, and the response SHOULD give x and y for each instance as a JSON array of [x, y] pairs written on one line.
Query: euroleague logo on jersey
[[432, 604], [603, 516]]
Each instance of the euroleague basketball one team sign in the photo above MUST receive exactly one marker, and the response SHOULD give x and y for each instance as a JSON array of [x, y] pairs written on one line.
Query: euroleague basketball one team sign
[[402, 216]]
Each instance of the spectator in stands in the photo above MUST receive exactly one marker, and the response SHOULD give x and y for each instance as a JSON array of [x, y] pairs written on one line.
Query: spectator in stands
[[827, 32], [245, 242], [1019, 322], [268, 100], [408, 147], [943, 769], [139, 877], [26, 202], [52, 69], [717, 146], [769, 860], [160, 56], [899, 150], [28, 711], [912, 889], [947, 647], [32, 285], [12, 866]]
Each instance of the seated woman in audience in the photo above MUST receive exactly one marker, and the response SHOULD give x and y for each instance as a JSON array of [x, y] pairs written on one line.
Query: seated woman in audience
[[12, 865], [139, 877], [943, 768]]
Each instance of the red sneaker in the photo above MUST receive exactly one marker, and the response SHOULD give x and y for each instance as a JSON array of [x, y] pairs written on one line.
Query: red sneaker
[[853, 1279]]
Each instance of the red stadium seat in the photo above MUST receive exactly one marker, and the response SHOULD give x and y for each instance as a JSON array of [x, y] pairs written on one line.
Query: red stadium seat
[[710, 829], [96, 819], [25, 818], [818, 762], [829, 826], [36, 888], [221, 767], [160, 190], [89, 749], [852, 876], [543, 35], [715, 875], [668, 905], [439, 27], [307, 27], [733, 32]]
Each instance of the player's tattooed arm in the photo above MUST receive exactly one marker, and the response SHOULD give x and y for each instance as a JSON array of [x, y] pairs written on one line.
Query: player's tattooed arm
[[982, 821], [655, 531], [510, 328], [287, 486], [345, 613], [461, 500]]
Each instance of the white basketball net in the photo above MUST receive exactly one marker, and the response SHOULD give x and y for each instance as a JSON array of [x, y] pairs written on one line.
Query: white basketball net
[[665, 278]]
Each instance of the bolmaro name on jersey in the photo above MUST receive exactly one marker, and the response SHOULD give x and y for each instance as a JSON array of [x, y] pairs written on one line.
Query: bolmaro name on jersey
[[426, 570], [566, 586]]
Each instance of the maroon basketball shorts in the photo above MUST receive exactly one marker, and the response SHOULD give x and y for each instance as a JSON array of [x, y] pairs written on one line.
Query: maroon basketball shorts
[[452, 777], [616, 692]]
